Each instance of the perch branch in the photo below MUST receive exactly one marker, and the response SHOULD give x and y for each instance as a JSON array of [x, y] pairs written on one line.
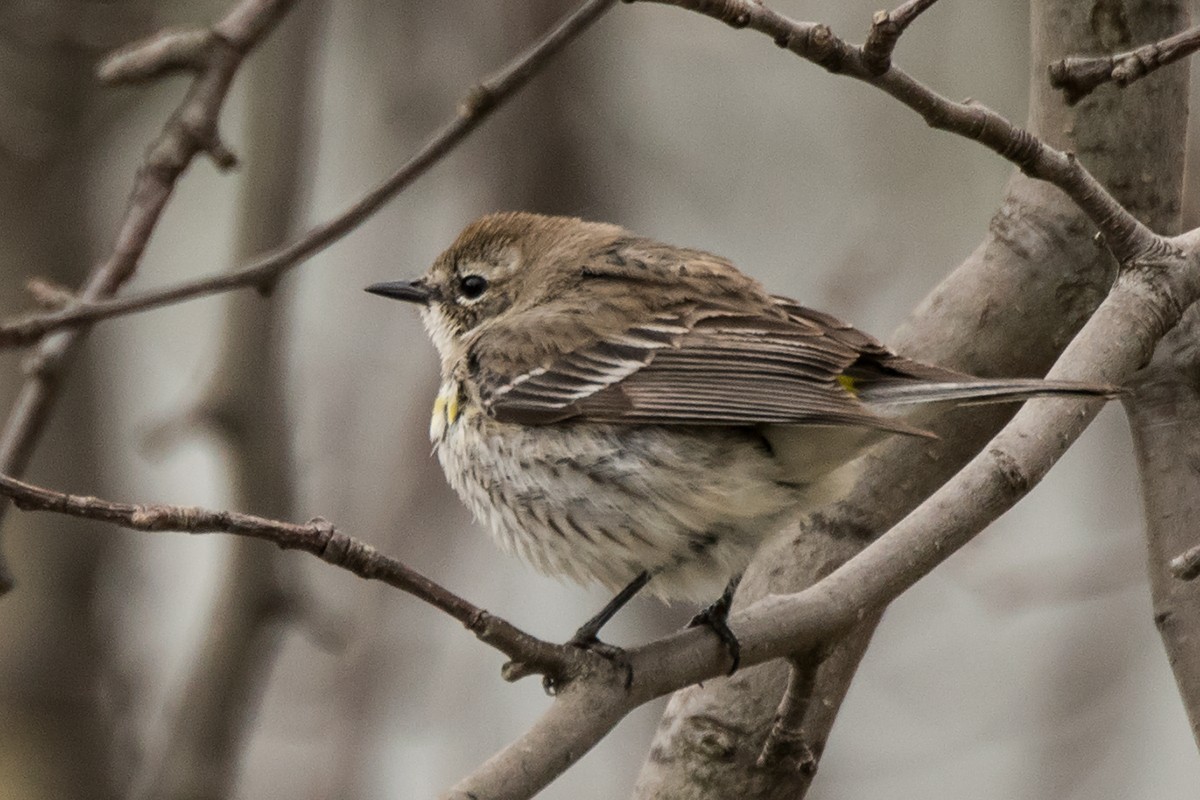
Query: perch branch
[[1078, 76], [1143, 306], [477, 105]]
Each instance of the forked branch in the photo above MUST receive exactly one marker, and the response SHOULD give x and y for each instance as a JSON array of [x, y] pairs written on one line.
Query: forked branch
[[479, 103], [1079, 76], [214, 57]]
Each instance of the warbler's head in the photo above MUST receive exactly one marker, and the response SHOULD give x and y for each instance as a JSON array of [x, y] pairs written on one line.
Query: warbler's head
[[499, 263]]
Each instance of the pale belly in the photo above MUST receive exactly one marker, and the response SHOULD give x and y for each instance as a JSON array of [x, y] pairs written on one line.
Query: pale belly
[[603, 503]]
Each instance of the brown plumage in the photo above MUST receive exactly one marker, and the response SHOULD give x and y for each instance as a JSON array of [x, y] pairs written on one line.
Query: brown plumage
[[623, 410]]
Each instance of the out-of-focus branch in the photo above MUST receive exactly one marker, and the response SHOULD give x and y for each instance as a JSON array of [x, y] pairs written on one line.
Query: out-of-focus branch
[[1078, 76], [262, 273], [214, 56], [245, 410], [1186, 565], [320, 538]]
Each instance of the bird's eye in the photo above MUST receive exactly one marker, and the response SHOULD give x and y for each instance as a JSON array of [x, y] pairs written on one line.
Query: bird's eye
[[472, 286]]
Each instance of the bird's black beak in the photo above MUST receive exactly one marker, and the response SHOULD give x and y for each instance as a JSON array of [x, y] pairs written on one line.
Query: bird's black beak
[[409, 291]]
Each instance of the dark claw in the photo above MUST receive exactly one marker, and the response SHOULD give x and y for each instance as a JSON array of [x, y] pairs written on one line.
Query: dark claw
[[714, 617], [616, 655]]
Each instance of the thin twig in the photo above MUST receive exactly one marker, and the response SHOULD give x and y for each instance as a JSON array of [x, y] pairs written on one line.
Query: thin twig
[[323, 540], [1078, 76], [886, 29], [214, 56], [477, 105]]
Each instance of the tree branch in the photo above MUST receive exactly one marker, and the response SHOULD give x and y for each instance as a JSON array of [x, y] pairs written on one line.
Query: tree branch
[[1078, 76], [322, 539], [1127, 238], [215, 57], [477, 105], [1009, 462], [886, 29]]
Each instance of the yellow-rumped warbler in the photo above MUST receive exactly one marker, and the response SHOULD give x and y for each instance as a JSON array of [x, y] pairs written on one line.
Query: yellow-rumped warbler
[[623, 411]]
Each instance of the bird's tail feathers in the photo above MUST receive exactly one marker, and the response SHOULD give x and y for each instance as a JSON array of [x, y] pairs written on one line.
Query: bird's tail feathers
[[980, 390]]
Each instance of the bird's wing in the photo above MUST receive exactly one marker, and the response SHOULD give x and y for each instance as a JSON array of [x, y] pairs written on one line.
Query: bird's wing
[[697, 366]]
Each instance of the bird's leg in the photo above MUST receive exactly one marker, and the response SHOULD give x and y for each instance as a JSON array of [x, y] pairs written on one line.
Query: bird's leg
[[715, 616], [587, 633]]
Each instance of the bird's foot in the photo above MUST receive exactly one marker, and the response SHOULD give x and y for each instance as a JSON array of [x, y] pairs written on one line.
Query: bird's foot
[[715, 617]]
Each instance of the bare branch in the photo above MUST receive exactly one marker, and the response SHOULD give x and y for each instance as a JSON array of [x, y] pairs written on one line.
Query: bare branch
[[477, 105], [161, 54], [1078, 76], [320, 538], [190, 130], [1126, 237], [886, 29]]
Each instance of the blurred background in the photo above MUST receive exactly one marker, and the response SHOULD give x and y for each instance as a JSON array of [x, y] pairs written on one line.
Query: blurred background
[[161, 665]]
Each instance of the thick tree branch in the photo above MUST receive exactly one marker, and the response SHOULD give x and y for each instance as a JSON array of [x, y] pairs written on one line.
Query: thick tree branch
[[1164, 413], [1035, 270], [215, 56], [478, 104], [1146, 303], [1078, 76]]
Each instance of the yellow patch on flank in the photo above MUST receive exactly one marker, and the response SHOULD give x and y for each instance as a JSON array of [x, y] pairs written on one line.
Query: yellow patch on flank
[[445, 410], [848, 383]]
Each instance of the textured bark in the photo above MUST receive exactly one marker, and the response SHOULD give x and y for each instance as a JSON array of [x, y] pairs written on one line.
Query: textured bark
[[1007, 310], [1164, 415]]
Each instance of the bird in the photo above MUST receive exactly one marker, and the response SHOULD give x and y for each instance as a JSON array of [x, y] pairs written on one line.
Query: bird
[[621, 411]]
